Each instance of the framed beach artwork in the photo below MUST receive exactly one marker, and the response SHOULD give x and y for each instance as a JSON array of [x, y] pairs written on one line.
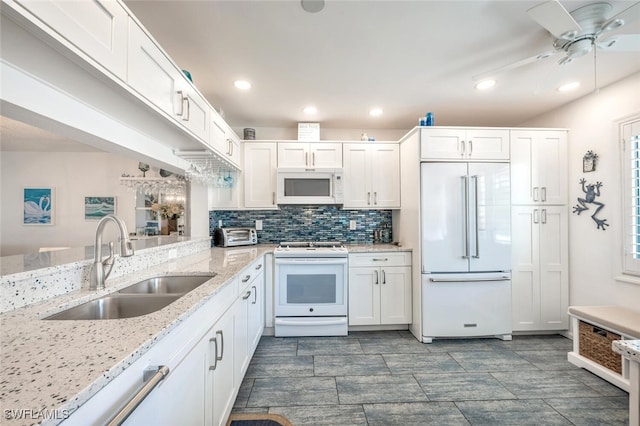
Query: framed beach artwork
[[38, 206], [95, 208]]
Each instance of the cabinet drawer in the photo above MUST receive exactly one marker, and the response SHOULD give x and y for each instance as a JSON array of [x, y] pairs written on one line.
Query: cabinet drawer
[[250, 273], [387, 258]]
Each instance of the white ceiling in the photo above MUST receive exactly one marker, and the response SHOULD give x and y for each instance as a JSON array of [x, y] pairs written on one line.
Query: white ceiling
[[406, 57]]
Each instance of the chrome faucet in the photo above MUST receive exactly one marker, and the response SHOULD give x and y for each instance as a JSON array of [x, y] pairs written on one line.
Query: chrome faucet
[[101, 269]]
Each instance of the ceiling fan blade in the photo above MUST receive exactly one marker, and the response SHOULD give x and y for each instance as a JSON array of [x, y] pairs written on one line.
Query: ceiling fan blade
[[630, 14], [621, 43], [555, 19], [514, 65]]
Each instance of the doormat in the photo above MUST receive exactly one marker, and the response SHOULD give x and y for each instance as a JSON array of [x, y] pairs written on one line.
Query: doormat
[[258, 420]]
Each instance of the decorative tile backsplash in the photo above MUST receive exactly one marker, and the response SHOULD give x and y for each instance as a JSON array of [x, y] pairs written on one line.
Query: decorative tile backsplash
[[306, 223]]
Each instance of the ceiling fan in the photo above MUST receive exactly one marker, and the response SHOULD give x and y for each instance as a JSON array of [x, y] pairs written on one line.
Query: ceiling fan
[[578, 33]]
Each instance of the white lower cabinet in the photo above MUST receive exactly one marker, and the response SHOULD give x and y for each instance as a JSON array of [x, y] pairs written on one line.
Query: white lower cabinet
[[540, 284], [379, 288], [221, 387]]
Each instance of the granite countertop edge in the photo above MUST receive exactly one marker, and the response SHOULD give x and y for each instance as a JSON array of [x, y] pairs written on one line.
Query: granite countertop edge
[[629, 349]]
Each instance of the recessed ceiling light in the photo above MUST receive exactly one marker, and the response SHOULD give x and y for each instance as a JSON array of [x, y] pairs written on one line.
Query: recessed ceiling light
[[569, 86], [242, 84], [310, 110], [375, 112], [485, 84]]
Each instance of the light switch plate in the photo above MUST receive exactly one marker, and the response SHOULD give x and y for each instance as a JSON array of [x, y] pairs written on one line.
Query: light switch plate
[[258, 224], [352, 225]]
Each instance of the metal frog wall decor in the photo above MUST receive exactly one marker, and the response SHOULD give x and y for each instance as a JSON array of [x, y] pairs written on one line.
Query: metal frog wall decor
[[591, 192]]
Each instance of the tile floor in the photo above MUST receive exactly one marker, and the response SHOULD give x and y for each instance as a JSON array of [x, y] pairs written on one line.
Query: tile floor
[[389, 378]]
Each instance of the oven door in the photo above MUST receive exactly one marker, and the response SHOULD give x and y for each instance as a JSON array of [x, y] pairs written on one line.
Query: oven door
[[310, 287]]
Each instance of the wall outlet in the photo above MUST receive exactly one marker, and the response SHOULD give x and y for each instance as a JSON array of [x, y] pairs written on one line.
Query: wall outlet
[[220, 223], [258, 225], [352, 225]]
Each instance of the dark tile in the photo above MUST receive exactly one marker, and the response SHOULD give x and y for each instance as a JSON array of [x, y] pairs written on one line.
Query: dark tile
[[396, 345], [323, 415], [414, 413], [491, 361], [277, 346], [329, 346], [280, 366], [421, 363], [291, 391], [596, 383], [532, 412], [375, 389], [544, 384], [349, 365], [593, 411], [462, 387], [548, 359]]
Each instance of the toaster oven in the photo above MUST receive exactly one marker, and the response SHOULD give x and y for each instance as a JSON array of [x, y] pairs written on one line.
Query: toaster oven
[[231, 237]]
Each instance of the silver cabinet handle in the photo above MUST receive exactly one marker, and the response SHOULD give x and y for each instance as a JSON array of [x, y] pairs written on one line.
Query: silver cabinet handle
[[384, 277], [258, 267], [544, 216], [368, 198], [273, 198], [536, 217], [246, 296], [126, 411], [470, 148], [377, 278], [375, 197], [231, 147], [380, 259], [544, 193], [220, 332], [536, 193], [179, 92], [247, 278], [255, 295], [462, 145], [306, 158], [214, 340], [188, 114]]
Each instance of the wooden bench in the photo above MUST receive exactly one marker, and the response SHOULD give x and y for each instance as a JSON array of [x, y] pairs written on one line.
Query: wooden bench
[[594, 328]]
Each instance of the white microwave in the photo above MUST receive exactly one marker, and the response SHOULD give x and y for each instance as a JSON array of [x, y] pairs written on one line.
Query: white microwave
[[303, 186]]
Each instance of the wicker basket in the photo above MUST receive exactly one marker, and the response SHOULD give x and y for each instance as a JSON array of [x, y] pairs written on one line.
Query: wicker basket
[[595, 344]]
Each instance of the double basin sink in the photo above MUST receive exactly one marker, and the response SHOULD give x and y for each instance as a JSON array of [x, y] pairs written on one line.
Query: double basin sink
[[141, 298]]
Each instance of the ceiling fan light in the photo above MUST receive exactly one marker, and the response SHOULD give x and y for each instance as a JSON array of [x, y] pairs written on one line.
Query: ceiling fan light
[[568, 87], [375, 112], [485, 84], [242, 84]]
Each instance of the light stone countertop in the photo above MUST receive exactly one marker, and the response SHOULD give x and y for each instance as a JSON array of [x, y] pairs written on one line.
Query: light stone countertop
[[58, 365], [627, 348]]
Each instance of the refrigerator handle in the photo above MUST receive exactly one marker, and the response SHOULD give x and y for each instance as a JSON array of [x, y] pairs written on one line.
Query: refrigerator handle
[[465, 201], [467, 280], [475, 211]]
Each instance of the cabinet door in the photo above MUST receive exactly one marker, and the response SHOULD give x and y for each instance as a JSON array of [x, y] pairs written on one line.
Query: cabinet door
[[293, 154], [395, 295], [357, 176], [525, 272], [98, 28], [523, 168], [152, 74], [195, 110], [385, 181], [551, 166], [180, 397], [487, 144], [260, 165], [554, 283], [218, 134], [256, 313], [364, 296], [220, 365], [327, 155], [441, 144], [240, 334]]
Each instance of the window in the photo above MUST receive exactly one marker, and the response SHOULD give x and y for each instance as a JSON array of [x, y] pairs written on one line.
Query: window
[[631, 216]]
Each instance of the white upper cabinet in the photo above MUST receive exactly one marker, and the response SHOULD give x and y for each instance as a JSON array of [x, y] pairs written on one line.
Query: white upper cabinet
[[152, 74], [223, 139], [260, 165], [538, 167], [371, 176], [442, 143], [310, 155], [98, 28]]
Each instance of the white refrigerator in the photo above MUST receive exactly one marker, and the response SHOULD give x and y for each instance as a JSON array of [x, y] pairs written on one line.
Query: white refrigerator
[[466, 246]]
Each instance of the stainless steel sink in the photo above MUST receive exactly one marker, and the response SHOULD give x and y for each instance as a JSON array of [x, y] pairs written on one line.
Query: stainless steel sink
[[171, 284], [116, 307]]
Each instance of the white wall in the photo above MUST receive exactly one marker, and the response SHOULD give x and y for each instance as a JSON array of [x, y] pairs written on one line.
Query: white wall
[[73, 175], [595, 254]]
